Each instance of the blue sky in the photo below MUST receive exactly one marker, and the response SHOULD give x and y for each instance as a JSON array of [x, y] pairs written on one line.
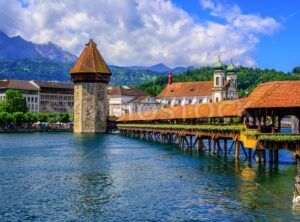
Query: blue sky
[[257, 33], [281, 50]]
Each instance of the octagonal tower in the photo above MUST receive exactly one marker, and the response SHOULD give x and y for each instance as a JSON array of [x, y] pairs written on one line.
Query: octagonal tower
[[91, 76]]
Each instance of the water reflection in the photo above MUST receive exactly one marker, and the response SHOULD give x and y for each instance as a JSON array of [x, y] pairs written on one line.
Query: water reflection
[[94, 182]]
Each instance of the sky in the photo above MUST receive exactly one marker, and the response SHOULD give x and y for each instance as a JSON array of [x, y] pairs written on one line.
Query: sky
[[252, 33]]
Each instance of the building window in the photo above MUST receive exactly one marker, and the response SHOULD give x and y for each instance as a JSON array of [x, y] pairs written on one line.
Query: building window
[[217, 80], [217, 99]]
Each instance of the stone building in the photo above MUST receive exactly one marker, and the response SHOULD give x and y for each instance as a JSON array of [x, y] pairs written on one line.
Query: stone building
[[126, 100], [223, 87], [90, 75], [29, 90]]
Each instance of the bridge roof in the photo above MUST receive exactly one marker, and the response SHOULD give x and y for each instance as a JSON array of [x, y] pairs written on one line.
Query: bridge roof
[[277, 94], [230, 108]]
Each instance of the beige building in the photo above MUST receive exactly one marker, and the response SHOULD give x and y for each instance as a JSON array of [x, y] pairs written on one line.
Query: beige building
[[55, 97], [126, 100], [29, 90]]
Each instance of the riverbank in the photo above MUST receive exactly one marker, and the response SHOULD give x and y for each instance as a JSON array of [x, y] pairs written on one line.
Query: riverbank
[[33, 130]]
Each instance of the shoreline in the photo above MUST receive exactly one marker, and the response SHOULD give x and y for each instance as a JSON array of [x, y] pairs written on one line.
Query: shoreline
[[33, 130]]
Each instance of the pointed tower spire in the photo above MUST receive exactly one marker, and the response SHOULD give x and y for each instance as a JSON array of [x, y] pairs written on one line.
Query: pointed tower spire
[[90, 61]]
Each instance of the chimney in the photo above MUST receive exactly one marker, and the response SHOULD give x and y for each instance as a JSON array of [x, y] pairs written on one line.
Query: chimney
[[170, 81]]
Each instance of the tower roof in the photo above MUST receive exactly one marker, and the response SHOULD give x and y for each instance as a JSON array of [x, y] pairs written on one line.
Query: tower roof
[[90, 61], [218, 64], [231, 67]]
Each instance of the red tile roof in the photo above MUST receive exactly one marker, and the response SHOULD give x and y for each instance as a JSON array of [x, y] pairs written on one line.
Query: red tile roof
[[275, 95], [121, 91], [183, 89], [90, 61]]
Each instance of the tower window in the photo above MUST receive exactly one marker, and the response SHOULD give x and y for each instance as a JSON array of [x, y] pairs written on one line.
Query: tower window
[[217, 80]]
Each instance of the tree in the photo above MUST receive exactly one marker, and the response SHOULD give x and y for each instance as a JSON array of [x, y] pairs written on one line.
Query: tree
[[63, 117], [71, 118], [41, 117], [296, 70], [18, 118], [51, 117], [5, 118], [29, 118], [13, 102]]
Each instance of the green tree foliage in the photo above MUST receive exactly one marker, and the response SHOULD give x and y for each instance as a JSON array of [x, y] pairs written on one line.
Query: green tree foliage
[[63, 117], [51, 117], [71, 118], [18, 118], [248, 79], [30, 118], [13, 102], [296, 70], [6, 118], [41, 117]]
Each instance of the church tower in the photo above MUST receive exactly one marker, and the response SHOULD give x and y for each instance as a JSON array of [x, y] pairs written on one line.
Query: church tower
[[231, 77], [90, 75], [219, 92]]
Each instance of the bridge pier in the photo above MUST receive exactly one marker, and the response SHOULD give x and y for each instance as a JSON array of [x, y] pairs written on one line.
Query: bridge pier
[[237, 149]]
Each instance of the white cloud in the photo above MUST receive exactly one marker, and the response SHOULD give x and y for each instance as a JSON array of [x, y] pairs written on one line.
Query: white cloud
[[139, 32]]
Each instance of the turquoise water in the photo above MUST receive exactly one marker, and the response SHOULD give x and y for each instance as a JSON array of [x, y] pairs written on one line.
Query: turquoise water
[[67, 177]]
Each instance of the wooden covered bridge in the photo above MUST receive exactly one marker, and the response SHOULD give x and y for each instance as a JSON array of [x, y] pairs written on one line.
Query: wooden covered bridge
[[252, 124]]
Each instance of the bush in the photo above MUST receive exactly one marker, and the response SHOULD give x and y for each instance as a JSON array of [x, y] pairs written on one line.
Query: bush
[[63, 117]]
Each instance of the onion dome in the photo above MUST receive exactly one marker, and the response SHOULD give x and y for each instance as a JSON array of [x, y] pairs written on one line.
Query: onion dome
[[231, 68], [218, 64]]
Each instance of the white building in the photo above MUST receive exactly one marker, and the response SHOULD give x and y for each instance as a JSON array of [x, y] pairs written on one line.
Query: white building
[[41, 96], [126, 100], [223, 87], [143, 103], [28, 90]]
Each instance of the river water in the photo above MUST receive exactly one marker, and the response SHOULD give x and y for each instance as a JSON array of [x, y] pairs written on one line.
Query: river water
[[68, 177]]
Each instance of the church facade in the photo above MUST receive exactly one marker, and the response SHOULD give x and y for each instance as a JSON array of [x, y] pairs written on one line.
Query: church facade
[[223, 87]]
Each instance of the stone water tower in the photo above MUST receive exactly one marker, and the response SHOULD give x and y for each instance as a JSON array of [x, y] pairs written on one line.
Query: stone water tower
[[90, 75]]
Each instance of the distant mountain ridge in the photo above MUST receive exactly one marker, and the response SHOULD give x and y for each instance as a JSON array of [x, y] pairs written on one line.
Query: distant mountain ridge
[[161, 68], [16, 48], [24, 60]]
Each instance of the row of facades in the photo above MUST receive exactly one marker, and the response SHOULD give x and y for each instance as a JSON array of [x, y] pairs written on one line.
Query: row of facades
[[58, 97]]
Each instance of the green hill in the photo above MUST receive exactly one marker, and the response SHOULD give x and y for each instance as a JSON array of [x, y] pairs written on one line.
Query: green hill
[[248, 78], [48, 70]]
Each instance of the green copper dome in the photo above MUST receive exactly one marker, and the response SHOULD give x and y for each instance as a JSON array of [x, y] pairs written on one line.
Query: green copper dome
[[218, 64], [231, 68]]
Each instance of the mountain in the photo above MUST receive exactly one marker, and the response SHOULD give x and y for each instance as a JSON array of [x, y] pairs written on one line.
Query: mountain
[[16, 48], [49, 70], [24, 60], [161, 68]]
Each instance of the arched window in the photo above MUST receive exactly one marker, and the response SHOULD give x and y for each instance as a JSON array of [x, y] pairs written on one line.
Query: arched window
[[217, 80], [217, 99]]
